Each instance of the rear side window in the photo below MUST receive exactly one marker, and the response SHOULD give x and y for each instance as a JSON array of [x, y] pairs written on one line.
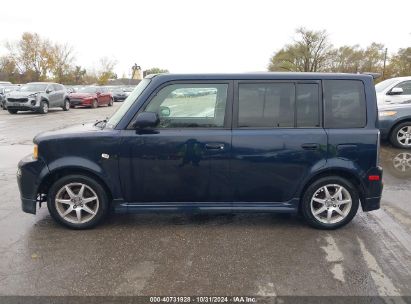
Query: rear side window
[[266, 105], [344, 104]]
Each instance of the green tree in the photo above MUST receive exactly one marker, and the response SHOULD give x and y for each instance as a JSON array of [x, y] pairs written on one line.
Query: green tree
[[310, 52], [106, 70], [32, 56], [346, 59], [399, 64]]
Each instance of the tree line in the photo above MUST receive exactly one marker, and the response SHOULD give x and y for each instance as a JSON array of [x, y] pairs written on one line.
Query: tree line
[[34, 58], [312, 51]]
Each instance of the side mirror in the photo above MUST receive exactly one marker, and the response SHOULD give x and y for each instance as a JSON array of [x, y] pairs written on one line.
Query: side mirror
[[146, 120], [49, 91], [98, 93], [164, 111], [396, 91]]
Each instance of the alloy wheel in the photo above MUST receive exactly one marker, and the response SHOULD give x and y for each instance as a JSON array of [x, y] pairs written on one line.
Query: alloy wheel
[[331, 204], [402, 162], [45, 107], [404, 136], [77, 203]]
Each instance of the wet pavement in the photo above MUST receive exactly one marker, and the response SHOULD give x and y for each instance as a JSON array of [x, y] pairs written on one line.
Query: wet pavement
[[220, 254]]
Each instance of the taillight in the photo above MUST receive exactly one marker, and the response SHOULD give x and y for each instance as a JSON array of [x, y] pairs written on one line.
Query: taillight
[[373, 177]]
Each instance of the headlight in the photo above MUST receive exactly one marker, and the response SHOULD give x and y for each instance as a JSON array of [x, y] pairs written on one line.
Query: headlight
[[33, 95], [386, 113], [35, 152]]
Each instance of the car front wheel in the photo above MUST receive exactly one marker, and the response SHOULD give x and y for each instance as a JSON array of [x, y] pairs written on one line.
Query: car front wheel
[[77, 201], [330, 203], [401, 135], [44, 107], [94, 104], [12, 111], [66, 105]]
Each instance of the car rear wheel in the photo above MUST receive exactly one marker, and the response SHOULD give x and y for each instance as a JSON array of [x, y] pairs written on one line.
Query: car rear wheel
[[401, 135], [77, 201], [44, 107], [330, 203], [12, 111], [66, 105], [94, 104], [110, 103]]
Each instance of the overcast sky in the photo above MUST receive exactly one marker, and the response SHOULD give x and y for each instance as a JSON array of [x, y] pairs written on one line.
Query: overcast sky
[[201, 36]]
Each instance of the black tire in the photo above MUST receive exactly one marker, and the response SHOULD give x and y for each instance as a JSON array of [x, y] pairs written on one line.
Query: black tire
[[394, 139], [66, 105], [110, 103], [94, 104], [44, 107], [12, 111], [103, 204], [305, 205]]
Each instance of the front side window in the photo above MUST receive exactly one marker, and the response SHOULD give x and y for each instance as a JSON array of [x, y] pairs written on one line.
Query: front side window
[[268, 105], [344, 104], [190, 105], [406, 87]]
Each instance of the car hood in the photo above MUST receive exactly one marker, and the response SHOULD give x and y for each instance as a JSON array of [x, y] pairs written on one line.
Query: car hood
[[394, 106], [82, 95], [19, 94], [70, 132]]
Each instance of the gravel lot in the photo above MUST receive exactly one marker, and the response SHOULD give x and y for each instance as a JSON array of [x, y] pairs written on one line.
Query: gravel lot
[[220, 254]]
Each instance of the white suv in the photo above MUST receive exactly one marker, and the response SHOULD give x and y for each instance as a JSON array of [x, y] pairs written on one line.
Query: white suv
[[394, 90]]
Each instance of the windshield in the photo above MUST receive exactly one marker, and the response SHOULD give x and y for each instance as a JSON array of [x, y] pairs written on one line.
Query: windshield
[[114, 120], [33, 87], [379, 87], [87, 90]]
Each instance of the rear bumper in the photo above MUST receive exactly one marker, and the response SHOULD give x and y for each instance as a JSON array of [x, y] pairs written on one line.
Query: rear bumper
[[373, 190], [371, 203]]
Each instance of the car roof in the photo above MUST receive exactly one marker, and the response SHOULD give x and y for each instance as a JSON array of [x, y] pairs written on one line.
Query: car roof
[[261, 76]]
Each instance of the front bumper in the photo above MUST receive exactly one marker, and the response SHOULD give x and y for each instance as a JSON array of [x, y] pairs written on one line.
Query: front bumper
[[119, 98], [385, 124], [81, 102], [30, 105], [30, 173]]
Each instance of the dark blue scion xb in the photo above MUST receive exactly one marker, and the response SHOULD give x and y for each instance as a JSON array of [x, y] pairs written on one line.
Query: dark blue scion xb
[[269, 142]]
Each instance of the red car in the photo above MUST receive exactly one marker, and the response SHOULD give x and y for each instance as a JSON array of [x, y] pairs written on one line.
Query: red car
[[91, 97]]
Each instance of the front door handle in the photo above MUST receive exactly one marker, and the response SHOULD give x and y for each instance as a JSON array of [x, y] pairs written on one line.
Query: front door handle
[[214, 146], [310, 146]]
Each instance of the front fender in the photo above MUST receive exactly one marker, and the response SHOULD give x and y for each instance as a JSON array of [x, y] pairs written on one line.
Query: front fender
[[100, 170]]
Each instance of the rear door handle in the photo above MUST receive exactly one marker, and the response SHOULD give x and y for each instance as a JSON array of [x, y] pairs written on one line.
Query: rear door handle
[[214, 146], [310, 146]]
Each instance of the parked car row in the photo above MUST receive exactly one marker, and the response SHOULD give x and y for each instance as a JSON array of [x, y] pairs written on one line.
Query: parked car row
[[41, 96]]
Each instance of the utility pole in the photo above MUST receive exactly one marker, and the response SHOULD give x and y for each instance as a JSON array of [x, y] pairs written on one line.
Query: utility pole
[[385, 61]]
